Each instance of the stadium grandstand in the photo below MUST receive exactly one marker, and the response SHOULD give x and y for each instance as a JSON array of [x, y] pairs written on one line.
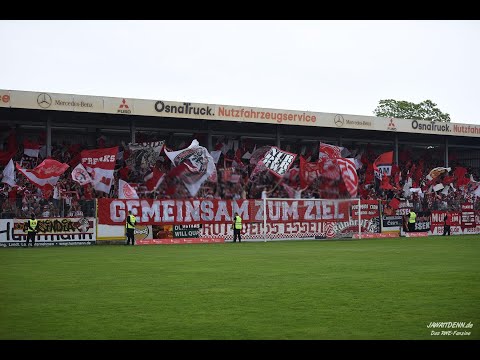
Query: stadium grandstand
[[399, 164]]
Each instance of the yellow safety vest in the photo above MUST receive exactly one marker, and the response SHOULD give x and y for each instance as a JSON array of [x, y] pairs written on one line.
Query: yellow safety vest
[[132, 220], [238, 223], [32, 225], [412, 217]]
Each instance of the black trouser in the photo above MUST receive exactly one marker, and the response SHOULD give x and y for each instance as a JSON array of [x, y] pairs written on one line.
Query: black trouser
[[130, 236], [236, 232], [446, 230], [31, 236], [411, 227]]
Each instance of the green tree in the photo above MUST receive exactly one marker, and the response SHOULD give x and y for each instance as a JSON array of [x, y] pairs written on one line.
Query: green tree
[[426, 110]]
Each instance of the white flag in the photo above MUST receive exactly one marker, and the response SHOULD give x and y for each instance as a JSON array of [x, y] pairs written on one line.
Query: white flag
[[125, 191], [195, 165], [80, 175], [9, 174]]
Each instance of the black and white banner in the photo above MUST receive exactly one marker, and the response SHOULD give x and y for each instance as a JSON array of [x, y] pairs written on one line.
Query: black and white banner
[[144, 155], [278, 161]]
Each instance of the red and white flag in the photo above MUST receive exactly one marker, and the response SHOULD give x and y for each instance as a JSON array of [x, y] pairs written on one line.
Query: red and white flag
[[100, 164], [309, 172], [125, 191], [349, 175], [153, 179], [9, 174], [329, 151], [195, 164], [31, 148], [383, 165], [80, 175], [45, 175]]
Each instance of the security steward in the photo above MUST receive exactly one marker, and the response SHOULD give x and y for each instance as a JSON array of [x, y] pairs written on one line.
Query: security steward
[[412, 218], [32, 230], [130, 226], [237, 228]]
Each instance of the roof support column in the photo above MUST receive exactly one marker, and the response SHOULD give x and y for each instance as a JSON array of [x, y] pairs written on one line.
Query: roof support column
[[278, 136], [132, 129], [395, 146], [446, 151], [49, 135]]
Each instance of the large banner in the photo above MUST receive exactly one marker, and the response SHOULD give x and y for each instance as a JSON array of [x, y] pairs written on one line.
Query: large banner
[[286, 219], [464, 222], [51, 231], [207, 211]]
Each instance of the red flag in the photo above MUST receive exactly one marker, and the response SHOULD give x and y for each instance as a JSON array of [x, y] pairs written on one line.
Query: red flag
[[394, 203], [5, 156], [154, 179], [45, 175], [383, 165]]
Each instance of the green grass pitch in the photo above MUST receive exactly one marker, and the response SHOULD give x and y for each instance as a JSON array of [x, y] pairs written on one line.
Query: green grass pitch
[[358, 289]]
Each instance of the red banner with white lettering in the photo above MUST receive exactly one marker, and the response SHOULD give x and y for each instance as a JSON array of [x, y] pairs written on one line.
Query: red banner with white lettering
[[212, 211]]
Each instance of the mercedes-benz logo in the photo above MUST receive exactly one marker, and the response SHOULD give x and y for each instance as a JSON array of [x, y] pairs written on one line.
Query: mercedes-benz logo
[[339, 121], [44, 100]]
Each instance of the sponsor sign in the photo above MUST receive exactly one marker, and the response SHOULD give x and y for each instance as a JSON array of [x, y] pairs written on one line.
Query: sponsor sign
[[186, 231], [180, 241], [374, 236], [392, 223], [187, 110], [122, 106], [368, 209], [51, 231], [4, 98], [415, 234]]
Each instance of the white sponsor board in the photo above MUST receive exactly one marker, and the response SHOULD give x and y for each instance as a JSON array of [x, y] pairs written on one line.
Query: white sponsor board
[[188, 110], [425, 127], [51, 232], [117, 232], [92, 104]]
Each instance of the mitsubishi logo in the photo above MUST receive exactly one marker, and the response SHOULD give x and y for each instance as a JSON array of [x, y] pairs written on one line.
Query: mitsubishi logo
[[124, 104], [44, 100], [124, 108], [338, 120], [391, 125]]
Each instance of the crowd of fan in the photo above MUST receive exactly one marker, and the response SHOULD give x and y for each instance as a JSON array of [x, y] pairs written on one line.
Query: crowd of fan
[[234, 181]]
